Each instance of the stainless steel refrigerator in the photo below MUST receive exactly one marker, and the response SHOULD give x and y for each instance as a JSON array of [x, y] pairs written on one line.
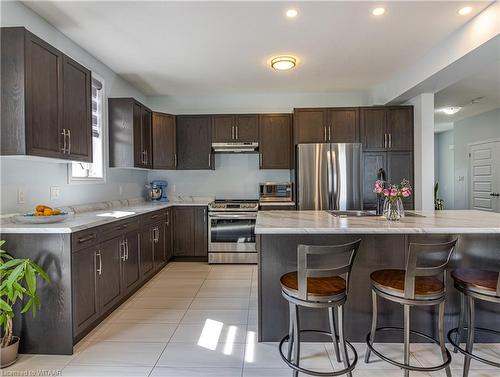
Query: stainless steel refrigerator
[[328, 176]]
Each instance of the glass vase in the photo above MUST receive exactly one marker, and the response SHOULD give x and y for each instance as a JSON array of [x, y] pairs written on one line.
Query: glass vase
[[393, 209]]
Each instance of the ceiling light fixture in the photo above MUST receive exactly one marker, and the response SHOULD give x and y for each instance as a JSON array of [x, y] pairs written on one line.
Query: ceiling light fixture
[[465, 10], [283, 63], [450, 110], [292, 13], [378, 11]]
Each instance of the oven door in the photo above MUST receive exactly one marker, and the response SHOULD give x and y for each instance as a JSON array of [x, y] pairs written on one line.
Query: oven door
[[232, 232]]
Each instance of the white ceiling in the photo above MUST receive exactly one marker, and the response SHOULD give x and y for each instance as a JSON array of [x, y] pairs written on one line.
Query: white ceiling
[[486, 83], [186, 48]]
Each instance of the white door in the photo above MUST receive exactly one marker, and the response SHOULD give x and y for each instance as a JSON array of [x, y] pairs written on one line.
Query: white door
[[484, 173]]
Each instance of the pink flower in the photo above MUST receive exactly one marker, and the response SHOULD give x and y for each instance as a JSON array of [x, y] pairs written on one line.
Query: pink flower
[[378, 189], [394, 192], [386, 192], [406, 192]]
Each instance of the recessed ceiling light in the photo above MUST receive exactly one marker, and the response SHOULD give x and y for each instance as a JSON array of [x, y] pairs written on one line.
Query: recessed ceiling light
[[291, 13], [283, 63], [465, 10], [450, 110], [378, 11]]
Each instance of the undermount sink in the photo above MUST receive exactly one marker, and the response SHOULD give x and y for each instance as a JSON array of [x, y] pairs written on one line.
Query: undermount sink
[[116, 214], [351, 213]]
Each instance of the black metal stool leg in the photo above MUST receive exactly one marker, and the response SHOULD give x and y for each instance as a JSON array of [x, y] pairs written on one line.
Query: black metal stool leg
[[461, 322], [343, 347], [333, 330], [374, 325], [296, 339], [290, 331], [441, 337], [406, 338], [470, 334]]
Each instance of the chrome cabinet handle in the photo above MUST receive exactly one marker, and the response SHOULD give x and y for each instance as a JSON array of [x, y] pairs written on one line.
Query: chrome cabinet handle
[[329, 133], [99, 269], [175, 159], [63, 133], [260, 160], [210, 160], [69, 141], [88, 238], [237, 132], [232, 133], [390, 140], [385, 141], [122, 251], [204, 215], [126, 249], [324, 129]]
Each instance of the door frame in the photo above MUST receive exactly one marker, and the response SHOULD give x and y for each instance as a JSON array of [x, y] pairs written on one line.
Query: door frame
[[469, 167]]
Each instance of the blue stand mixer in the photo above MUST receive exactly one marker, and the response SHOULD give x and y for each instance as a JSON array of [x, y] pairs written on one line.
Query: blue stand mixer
[[158, 191]]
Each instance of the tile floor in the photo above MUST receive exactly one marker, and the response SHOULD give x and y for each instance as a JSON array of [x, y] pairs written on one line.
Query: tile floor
[[193, 319]]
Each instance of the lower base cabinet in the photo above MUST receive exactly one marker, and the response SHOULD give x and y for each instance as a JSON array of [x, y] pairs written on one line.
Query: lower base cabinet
[[109, 273], [147, 256], [131, 268], [190, 231]]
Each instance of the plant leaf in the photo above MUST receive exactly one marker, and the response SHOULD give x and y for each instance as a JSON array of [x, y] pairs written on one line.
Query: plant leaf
[[40, 270], [30, 279], [11, 263]]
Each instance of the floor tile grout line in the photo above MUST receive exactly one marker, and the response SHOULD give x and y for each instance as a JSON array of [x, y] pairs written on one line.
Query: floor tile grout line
[[246, 335]]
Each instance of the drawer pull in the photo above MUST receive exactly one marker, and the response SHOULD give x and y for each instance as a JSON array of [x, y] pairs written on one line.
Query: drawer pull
[[99, 269], [88, 238]]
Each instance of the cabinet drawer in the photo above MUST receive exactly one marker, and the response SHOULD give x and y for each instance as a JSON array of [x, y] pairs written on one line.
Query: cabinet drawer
[[85, 238], [116, 228], [153, 217]]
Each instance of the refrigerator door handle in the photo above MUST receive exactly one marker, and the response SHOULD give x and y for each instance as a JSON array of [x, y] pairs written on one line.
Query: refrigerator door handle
[[329, 177]]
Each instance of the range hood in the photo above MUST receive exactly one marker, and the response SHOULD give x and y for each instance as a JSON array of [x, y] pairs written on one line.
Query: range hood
[[235, 147]]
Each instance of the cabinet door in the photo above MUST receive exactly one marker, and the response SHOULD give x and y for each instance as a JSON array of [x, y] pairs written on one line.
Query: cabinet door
[[109, 260], [77, 110], [131, 269], [164, 153], [139, 156], [223, 128], [201, 232], [310, 126], [43, 84], [159, 245], [372, 162], [169, 251], [399, 167], [400, 128], [275, 144], [147, 252], [146, 137], [85, 293], [343, 125], [194, 148], [247, 128], [183, 231], [373, 129]]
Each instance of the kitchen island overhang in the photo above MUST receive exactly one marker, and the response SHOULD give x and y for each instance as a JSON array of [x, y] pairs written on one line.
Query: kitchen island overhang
[[384, 245]]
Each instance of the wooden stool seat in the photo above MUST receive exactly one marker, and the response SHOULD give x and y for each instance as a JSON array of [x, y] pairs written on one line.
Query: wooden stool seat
[[393, 282], [320, 289], [480, 281]]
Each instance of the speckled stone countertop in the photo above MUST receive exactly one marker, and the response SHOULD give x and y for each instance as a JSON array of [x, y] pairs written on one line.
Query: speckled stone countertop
[[321, 222], [90, 215]]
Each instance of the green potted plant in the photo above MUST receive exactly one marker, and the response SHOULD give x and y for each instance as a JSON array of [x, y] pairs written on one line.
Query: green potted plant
[[18, 282]]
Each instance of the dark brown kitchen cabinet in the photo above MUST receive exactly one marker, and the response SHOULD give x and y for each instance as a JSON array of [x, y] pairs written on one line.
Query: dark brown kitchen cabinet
[[275, 146], [387, 128], [147, 252], [45, 99], [234, 128], [343, 125], [194, 147], [109, 273], [223, 129], [159, 244], [77, 111], [164, 146], [131, 271], [399, 167], [190, 231], [130, 141], [84, 288], [309, 125]]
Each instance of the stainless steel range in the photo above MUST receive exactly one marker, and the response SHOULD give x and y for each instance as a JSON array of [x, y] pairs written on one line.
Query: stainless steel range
[[231, 231]]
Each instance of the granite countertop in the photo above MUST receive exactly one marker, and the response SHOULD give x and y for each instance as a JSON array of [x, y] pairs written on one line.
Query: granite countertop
[[90, 215], [321, 222]]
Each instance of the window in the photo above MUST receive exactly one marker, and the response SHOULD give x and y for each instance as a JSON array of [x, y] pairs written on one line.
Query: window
[[85, 171]]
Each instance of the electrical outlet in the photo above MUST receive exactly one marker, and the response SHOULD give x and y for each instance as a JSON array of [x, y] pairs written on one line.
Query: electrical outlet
[[55, 192], [173, 188], [21, 196]]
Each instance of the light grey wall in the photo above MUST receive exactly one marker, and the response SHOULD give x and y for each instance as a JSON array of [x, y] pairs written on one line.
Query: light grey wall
[[481, 127], [36, 177], [445, 170], [236, 176]]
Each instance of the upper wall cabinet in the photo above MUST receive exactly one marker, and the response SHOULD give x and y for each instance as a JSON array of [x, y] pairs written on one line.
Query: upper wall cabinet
[[234, 128], [275, 145], [326, 125], [46, 100], [130, 139], [194, 147], [164, 144], [387, 128]]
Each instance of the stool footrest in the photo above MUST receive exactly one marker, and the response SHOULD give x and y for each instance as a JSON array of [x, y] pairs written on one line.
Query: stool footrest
[[313, 372], [471, 355], [407, 366]]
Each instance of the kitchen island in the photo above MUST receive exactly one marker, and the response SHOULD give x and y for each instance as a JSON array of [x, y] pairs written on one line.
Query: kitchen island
[[384, 245]]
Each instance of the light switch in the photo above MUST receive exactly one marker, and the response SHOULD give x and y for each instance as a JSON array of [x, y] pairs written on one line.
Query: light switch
[[55, 192]]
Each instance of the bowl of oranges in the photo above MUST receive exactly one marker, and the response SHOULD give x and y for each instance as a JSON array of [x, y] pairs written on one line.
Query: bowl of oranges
[[42, 215]]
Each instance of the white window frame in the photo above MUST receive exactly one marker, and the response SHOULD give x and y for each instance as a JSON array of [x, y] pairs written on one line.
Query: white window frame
[[104, 133]]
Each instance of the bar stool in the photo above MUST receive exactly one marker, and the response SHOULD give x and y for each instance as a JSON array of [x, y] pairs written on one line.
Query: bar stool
[[417, 285], [473, 285], [321, 281]]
